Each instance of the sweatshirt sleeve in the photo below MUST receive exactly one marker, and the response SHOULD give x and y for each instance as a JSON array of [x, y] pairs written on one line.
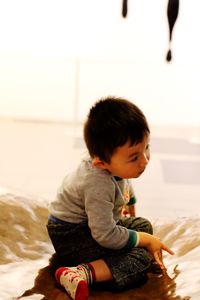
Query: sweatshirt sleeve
[[99, 203]]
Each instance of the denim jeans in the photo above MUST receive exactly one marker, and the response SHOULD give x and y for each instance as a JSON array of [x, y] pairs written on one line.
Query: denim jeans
[[74, 244]]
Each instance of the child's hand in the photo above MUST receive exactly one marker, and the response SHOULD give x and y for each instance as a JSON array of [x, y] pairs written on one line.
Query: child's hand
[[154, 246], [128, 211]]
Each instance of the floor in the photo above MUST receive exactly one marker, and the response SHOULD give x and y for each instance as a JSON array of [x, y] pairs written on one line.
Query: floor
[[36, 155]]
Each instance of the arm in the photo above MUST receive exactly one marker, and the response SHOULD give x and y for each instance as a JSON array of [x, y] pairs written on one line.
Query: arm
[[99, 206], [129, 209], [132, 201]]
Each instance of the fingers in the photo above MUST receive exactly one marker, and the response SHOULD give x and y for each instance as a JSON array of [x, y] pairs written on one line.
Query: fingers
[[164, 247], [158, 255], [158, 259]]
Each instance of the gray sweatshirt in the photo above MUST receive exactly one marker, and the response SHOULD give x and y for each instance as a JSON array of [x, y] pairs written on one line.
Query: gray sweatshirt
[[93, 195]]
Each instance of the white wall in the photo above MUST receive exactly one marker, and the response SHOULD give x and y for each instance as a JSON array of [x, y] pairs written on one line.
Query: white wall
[[58, 56]]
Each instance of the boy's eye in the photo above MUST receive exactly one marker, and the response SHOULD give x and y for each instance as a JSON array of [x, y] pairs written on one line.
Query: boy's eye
[[134, 158], [147, 147]]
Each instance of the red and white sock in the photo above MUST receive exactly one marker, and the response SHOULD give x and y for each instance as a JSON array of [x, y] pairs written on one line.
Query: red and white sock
[[76, 280]]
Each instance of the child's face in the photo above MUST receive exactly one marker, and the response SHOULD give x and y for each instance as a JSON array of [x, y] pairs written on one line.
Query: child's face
[[129, 161]]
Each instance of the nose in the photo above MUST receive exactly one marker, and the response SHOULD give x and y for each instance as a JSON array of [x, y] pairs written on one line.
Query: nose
[[144, 160]]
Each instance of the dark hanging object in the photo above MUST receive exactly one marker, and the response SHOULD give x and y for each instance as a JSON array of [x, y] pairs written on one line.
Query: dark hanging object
[[172, 14], [125, 8]]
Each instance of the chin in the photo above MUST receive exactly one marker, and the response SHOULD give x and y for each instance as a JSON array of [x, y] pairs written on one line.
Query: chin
[[131, 176], [138, 175]]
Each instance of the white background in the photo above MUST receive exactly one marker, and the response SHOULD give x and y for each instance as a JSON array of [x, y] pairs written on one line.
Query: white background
[[59, 56]]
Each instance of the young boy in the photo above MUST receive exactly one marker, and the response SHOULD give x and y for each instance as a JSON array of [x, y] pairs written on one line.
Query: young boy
[[88, 226]]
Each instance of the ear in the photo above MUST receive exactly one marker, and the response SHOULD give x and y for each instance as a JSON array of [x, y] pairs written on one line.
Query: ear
[[98, 163]]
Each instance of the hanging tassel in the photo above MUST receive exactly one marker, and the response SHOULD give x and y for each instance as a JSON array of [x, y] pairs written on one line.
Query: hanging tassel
[[172, 14], [169, 55], [125, 8]]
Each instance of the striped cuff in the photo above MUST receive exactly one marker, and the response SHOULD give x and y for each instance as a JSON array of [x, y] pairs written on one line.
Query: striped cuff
[[132, 201], [138, 239], [133, 240]]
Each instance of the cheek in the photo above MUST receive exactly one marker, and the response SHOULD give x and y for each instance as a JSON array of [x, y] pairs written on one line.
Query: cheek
[[133, 169]]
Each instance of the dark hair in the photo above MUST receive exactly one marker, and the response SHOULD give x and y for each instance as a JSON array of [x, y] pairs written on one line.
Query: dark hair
[[112, 122]]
